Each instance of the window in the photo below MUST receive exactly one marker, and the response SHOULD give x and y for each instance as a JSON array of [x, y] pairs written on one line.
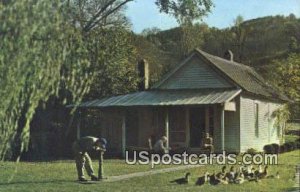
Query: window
[[256, 114]]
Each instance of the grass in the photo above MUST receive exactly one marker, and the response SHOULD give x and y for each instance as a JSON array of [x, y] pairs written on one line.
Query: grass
[[61, 175], [290, 128], [290, 138], [293, 126]]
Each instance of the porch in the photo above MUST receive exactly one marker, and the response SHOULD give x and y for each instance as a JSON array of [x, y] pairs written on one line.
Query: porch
[[183, 116]]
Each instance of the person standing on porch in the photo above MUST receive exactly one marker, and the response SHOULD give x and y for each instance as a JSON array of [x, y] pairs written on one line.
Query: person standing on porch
[[160, 146], [82, 158]]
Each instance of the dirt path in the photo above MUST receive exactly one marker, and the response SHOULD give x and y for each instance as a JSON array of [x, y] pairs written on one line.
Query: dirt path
[[146, 173]]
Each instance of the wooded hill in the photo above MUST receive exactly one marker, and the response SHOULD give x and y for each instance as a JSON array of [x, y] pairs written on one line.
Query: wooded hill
[[254, 42]]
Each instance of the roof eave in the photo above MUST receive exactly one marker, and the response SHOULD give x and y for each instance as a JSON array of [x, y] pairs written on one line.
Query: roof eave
[[278, 100]]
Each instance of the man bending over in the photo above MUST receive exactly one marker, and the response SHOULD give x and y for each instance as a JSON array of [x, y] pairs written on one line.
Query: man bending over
[[82, 158]]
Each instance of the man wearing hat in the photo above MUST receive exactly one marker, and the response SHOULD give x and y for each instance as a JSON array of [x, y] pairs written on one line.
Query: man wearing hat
[[82, 158]]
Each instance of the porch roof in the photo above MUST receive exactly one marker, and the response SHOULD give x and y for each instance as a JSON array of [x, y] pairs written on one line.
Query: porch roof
[[165, 98]]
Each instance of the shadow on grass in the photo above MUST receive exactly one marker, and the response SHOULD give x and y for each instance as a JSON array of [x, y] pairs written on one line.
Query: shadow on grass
[[293, 189], [37, 182]]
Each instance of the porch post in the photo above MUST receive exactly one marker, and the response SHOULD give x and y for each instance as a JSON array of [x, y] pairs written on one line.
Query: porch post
[[222, 128], [123, 134], [167, 127], [78, 124], [187, 127], [206, 119]]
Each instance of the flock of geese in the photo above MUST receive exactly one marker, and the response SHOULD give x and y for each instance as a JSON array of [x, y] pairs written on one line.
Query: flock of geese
[[234, 176]]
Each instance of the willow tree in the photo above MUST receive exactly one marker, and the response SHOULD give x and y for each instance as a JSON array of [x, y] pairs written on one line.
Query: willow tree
[[45, 47], [39, 52]]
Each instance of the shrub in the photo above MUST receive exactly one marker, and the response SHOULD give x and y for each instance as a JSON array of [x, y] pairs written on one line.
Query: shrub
[[275, 148], [268, 149], [289, 146], [282, 148], [252, 151], [294, 144]]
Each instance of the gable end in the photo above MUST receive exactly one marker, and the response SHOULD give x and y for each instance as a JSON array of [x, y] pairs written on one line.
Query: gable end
[[193, 73]]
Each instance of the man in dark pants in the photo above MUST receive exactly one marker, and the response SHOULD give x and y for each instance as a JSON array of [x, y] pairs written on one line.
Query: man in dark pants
[[82, 158]]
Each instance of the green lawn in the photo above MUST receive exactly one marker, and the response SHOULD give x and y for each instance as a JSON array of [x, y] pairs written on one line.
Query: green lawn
[[293, 126], [61, 175], [292, 137]]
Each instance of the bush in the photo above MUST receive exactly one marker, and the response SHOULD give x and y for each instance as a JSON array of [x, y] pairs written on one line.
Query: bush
[[269, 149], [252, 151], [275, 148], [289, 146], [282, 148], [294, 145], [286, 147]]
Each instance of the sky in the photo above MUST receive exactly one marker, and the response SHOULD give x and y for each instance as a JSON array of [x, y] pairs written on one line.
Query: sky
[[145, 14]]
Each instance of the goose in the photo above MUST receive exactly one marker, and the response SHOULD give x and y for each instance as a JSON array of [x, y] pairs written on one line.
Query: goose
[[184, 180], [231, 175], [221, 174], [248, 170], [202, 180], [277, 176], [224, 181], [239, 179], [213, 180], [259, 170], [245, 170], [251, 175], [241, 169], [264, 174]]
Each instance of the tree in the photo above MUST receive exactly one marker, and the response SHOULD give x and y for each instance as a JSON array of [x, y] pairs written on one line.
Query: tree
[[57, 46], [240, 35], [90, 14], [113, 64], [185, 10], [39, 53], [192, 36], [285, 73]]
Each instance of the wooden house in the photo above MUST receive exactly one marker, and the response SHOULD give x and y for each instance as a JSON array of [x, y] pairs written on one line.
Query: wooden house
[[204, 93]]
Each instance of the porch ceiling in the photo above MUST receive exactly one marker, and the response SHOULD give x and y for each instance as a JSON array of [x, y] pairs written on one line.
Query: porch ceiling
[[165, 98]]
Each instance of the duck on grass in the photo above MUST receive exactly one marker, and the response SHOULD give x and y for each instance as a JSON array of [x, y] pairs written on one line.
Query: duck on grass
[[235, 175]]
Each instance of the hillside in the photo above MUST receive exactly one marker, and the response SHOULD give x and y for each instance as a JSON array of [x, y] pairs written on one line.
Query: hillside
[[255, 42]]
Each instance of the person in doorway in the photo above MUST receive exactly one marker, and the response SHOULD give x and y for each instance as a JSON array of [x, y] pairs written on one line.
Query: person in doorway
[[82, 158], [208, 143], [160, 146]]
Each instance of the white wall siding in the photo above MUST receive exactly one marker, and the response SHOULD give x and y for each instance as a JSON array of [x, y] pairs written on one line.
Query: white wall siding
[[217, 128], [266, 131], [195, 74], [232, 129]]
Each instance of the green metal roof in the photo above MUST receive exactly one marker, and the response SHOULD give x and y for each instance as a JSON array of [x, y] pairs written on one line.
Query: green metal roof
[[165, 98]]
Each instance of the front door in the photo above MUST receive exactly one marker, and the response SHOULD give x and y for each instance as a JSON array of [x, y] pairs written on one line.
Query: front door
[[197, 126]]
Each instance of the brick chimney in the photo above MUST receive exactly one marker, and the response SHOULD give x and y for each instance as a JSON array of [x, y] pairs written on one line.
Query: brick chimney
[[143, 72], [228, 55]]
